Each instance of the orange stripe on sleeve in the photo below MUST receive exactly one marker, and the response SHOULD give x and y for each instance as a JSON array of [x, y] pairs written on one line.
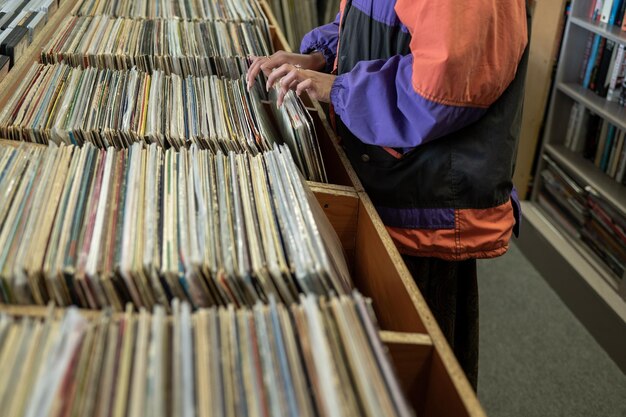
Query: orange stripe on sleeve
[[464, 53]]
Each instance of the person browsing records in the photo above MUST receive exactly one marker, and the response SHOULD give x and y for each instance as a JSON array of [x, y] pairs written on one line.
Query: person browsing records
[[427, 101]]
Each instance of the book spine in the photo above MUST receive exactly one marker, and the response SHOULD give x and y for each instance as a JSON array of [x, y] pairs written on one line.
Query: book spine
[[620, 14], [598, 10], [592, 60], [606, 11], [596, 66], [603, 69], [601, 143], [578, 140], [583, 67], [591, 141], [616, 6], [590, 10], [622, 92], [607, 148], [573, 117], [616, 154], [621, 167], [616, 74]]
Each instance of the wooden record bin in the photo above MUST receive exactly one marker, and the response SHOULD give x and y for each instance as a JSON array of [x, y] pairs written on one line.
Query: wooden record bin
[[428, 371]]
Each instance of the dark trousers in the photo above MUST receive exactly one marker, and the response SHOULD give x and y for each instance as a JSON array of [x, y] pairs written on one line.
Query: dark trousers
[[451, 291]]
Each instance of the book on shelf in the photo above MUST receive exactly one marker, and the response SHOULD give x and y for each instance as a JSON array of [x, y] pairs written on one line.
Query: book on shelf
[[603, 67], [610, 12], [614, 10], [588, 48], [619, 19], [564, 191], [605, 13], [603, 77], [590, 64], [597, 140], [617, 74], [605, 229], [584, 214], [596, 10]]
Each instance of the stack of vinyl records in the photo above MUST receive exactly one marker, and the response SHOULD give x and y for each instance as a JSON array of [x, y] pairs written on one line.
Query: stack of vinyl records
[[322, 357], [100, 228], [227, 10], [171, 45], [20, 21], [563, 198], [585, 215], [605, 233], [61, 104]]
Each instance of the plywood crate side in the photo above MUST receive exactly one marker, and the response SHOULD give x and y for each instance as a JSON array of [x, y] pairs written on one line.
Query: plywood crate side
[[446, 396], [341, 207], [411, 354]]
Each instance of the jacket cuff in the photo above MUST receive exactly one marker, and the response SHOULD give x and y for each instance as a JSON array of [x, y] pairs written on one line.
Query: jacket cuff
[[329, 56], [337, 93]]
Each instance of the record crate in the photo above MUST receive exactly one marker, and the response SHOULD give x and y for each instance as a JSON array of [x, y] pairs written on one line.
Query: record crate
[[426, 367]]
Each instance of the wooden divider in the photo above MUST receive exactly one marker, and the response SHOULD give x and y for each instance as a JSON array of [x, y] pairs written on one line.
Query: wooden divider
[[411, 354]]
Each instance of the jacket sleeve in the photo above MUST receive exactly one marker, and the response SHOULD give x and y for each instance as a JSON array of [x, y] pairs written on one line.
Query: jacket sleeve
[[323, 39], [461, 61]]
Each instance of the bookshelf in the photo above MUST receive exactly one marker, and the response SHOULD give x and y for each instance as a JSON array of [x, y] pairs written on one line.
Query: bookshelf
[[553, 239]]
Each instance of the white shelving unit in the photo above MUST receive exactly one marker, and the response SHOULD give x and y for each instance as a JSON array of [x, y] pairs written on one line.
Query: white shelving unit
[[593, 293]]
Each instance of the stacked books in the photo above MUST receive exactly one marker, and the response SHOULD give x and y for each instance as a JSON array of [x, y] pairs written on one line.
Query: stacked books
[[563, 198], [605, 233], [98, 228], [322, 357], [585, 215], [597, 140]]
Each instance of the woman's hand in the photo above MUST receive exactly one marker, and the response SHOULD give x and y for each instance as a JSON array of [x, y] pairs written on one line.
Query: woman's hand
[[314, 61], [293, 77]]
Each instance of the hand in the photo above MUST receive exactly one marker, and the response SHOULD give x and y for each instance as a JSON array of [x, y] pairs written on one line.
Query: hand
[[316, 84], [314, 61]]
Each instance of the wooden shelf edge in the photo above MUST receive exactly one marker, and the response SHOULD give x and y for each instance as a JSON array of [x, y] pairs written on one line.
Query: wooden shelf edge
[[405, 338], [611, 111], [605, 30], [342, 190]]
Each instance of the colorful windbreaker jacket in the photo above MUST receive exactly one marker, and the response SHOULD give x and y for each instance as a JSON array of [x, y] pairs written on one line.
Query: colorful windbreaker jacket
[[427, 103]]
